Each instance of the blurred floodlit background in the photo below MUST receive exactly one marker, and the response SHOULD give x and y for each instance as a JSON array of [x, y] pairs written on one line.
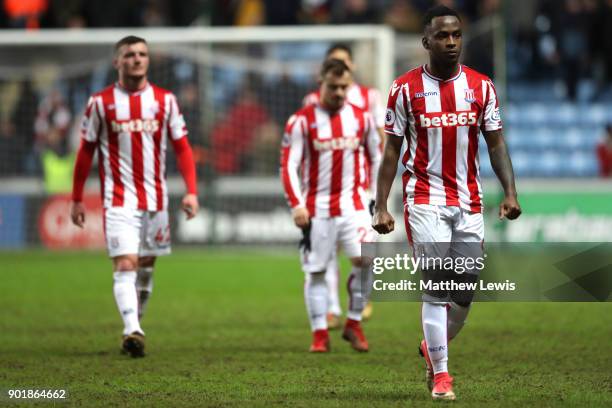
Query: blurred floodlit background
[[239, 69]]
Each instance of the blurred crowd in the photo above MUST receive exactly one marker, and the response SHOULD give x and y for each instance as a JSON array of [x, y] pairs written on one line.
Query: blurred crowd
[[403, 15], [567, 39], [39, 122], [567, 44]]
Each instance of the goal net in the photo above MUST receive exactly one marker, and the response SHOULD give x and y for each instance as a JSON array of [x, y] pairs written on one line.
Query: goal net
[[236, 88]]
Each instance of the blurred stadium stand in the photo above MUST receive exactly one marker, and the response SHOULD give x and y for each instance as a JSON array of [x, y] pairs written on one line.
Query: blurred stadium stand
[[553, 138], [551, 62], [554, 116]]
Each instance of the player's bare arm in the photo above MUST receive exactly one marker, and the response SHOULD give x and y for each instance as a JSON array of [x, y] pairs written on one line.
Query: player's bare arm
[[374, 144], [383, 138], [502, 165], [382, 221]]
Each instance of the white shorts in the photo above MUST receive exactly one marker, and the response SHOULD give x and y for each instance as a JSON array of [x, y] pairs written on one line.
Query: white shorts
[[129, 231], [326, 234], [438, 232], [436, 223]]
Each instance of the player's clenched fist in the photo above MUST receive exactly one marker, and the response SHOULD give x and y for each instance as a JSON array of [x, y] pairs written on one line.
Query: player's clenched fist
[[383, 222], [77, 214], [510, 208], [190, 205], [301, 217]]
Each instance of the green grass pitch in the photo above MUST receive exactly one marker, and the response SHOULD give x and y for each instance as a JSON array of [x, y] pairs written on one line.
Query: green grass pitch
[[228, 328]]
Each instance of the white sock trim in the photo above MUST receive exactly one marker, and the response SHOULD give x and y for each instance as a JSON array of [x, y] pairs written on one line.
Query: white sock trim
[[124, 289], [434, 328], [315, 295], [332, 275]]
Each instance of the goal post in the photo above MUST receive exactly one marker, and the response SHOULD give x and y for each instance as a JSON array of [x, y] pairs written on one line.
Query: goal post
[[236, 86], [381, 36]]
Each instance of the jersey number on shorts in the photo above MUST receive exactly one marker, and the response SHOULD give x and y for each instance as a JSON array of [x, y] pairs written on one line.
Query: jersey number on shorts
[[363, 233], [163, 235]]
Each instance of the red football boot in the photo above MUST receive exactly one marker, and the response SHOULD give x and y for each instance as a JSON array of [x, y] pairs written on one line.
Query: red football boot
[[354, 335], [320, 341], [443, 387]]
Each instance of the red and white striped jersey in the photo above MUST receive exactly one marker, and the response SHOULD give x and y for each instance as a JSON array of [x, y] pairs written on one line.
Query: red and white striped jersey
[[323, 159], [361, 96], [441, 121], [131, 131]]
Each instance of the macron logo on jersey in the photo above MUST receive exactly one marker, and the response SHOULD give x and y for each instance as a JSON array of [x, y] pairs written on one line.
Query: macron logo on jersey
[[447, 119], [350, 143], [135, 125], [425, 94]]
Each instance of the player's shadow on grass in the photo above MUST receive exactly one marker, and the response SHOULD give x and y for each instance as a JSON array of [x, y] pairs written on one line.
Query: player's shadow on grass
[[278, 348], [402, 394], [83, 353]]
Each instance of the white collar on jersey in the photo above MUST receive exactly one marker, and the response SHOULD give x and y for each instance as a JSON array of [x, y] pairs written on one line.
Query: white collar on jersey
[[435, 78], [138, 92]]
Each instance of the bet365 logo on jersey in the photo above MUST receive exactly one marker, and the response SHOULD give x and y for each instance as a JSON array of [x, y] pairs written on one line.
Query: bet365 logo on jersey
[[447, 119], [135, 125], [342, 143]]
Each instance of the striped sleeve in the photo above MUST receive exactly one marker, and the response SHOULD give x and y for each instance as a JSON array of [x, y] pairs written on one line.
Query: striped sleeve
[[396, 115], [176, 122], [491, 118], [292, 150], [90, 125]]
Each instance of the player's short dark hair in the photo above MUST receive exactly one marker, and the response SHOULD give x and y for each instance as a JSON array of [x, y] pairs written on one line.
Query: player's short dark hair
[[334, 66], [339, 46], [438, 11], [129, 40]]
